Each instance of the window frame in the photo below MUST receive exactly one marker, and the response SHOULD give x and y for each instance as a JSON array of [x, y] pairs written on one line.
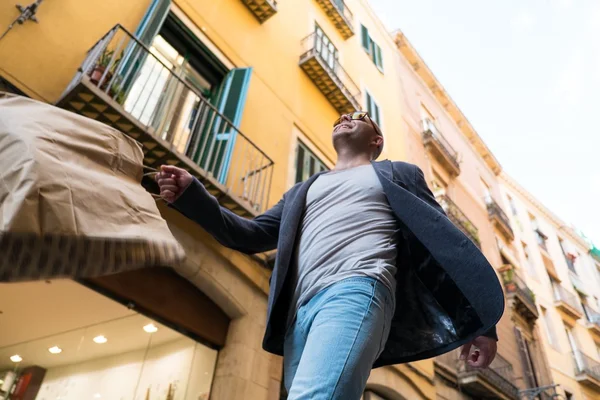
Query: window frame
[[549, 329], [373, 109], [371, 48], [313, 160]]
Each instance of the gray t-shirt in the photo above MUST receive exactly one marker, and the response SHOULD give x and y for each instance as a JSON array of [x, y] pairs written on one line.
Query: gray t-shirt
[[348, 230]]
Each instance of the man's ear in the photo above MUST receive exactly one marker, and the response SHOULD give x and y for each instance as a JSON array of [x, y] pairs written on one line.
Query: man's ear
[[378, 141]]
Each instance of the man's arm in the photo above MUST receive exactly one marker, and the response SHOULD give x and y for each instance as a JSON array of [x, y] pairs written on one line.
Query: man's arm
[[425, 194], [187, 195]]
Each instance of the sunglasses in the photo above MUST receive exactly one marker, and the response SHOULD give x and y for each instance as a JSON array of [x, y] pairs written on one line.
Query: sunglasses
[[357, 116]]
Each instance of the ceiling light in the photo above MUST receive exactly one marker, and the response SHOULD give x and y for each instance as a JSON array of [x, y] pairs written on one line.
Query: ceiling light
[[100, 339], [16, 358], [150, 328], [55, 350], [97, 396]]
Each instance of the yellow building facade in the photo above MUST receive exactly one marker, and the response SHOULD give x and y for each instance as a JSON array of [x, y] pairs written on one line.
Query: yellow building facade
[[243, 93], [558, 267], [464, 175]]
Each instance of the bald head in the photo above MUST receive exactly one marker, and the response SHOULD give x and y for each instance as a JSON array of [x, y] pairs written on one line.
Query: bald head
[[358, 136]]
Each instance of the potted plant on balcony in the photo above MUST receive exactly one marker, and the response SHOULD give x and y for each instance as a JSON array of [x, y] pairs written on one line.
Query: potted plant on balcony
[[508, 278], [101, 65]]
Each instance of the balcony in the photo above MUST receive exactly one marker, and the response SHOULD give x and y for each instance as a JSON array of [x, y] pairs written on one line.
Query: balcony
[[174, 122], [499, 219], [517, 291], [587, 370], [567, 303], [459, 219], [320, 62], [495, 382], [262, 9], [340, 15], [440, 148], [593, 320]]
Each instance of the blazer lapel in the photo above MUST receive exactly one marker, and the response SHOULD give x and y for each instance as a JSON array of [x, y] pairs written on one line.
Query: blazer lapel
[[384, 169]]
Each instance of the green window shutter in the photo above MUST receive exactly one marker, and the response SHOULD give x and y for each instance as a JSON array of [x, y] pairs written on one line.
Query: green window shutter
[[379, 61], [369, 106], [153, 21], [366, 40], [230, 102], [134, 55], [376, 116], [233, 94], [299, 164]]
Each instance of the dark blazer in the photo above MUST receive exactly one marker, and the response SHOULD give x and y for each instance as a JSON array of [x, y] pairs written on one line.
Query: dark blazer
[[447, 293]]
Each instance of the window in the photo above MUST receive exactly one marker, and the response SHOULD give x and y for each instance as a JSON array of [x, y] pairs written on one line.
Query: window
[[373, 109], [513, 206], [168, 88], [575, 349], [525, 350], [307, 163], [326, 49], [549, 328], [95, 348], [539, 235], [569, 257], [487, 192], [372, 48], [528, 262]]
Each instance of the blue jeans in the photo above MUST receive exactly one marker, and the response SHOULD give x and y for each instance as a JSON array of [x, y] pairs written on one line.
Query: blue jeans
[[335, 339]]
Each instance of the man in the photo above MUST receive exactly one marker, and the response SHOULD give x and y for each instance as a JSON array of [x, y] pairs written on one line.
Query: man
[[369, 270]]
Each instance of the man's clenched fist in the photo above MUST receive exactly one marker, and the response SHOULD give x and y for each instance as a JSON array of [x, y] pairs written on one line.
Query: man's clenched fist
[[172, 182]]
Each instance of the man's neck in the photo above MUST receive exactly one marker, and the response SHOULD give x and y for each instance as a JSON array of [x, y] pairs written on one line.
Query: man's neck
[[348, 160]]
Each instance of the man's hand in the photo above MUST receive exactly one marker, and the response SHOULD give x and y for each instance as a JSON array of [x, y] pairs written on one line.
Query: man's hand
[[483, 356], [172, 182]]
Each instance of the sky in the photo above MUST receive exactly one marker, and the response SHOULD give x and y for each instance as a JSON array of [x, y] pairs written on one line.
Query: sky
[[526, 73]]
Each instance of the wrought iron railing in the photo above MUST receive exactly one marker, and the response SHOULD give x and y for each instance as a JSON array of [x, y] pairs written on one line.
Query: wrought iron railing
[[494, 210], [459, 218], [431, 131], [585, 365], [147, 87], [561, 294], [515, 284], [499, 373], [592, 315], [319, 46]]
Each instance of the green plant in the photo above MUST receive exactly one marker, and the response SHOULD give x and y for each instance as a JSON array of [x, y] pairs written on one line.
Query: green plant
[[107, 56], [117, 92], [508, 275]]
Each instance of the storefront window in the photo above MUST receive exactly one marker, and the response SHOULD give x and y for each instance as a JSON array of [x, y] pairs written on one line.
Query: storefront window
[[63, 341]]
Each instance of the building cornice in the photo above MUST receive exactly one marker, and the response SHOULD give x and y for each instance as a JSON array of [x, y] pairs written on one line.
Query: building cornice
[[436, 88]]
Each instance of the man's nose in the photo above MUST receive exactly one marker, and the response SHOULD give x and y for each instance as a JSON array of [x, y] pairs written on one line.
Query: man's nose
[[345, 118]]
